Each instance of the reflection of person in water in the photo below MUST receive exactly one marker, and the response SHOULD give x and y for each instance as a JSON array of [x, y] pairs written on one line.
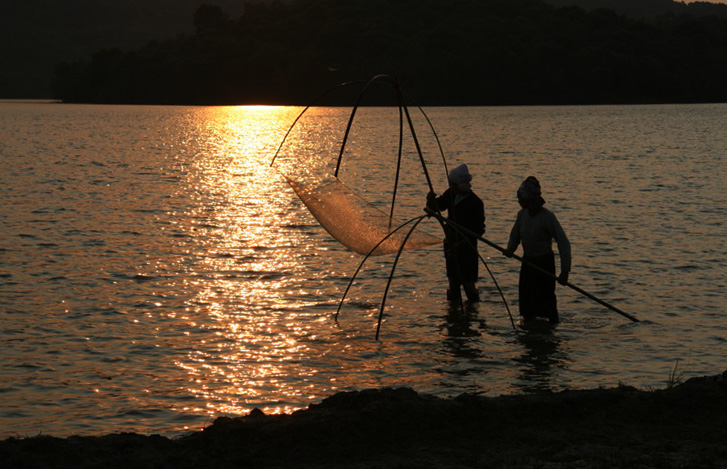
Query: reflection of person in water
[[536, 227], [542, 357], [460, 250]]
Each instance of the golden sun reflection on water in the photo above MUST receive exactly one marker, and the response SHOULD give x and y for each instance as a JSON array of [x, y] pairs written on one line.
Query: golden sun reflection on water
[[244, 263], [156, 272]]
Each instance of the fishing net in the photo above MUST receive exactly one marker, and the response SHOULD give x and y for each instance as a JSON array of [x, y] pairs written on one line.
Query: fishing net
[[354, 222], [347, 215]]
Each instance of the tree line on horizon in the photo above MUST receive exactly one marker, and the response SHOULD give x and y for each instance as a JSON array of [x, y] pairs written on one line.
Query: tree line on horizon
[[470, 52], [36, 35], [648, 8]]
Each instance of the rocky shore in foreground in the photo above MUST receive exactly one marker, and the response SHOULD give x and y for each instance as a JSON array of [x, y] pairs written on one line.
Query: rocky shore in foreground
[[682, 426]]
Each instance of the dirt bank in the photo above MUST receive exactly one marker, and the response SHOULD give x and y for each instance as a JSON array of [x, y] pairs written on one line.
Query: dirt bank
[[682, 426]]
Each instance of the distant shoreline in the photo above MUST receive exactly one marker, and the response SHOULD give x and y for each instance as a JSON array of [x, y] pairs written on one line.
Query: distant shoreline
[[363, 105], [31, 101]]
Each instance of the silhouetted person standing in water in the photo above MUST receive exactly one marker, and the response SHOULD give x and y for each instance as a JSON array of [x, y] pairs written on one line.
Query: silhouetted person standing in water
[[536, 227], [460, 250]]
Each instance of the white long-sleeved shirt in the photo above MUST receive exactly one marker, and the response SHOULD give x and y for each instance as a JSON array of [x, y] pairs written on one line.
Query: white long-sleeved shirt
[[537, 234]]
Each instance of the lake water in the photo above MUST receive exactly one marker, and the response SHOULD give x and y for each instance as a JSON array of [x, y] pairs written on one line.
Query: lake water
[[156, 273]]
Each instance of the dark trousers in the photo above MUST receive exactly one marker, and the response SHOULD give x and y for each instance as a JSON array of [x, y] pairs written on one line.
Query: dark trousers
[[462, 270], [537, 290], [462, 262]]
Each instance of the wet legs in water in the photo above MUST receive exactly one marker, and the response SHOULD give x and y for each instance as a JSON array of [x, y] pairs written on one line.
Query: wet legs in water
[[454, 293]]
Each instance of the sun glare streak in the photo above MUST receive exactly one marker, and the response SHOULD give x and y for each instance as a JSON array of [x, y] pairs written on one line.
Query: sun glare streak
[[252, 344]]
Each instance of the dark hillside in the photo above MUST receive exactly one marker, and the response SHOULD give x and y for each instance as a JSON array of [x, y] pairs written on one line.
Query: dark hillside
[[475, 52], [36, 35], [641, 9]]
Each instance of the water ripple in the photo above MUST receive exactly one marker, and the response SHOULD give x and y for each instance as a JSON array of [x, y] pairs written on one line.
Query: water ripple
[[163, 275]]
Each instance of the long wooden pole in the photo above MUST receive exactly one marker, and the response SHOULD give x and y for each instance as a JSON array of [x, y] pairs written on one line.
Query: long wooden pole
[[530, 264]]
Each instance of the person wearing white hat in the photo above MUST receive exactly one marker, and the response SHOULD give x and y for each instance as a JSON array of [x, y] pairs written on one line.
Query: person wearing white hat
[[536, 227], [465, 208]]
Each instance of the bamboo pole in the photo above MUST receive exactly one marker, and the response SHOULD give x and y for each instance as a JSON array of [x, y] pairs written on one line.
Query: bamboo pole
[[530, 264]]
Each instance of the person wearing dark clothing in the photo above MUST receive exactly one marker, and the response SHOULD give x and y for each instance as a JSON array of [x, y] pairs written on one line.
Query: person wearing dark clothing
[[465, 208], [536, 227]]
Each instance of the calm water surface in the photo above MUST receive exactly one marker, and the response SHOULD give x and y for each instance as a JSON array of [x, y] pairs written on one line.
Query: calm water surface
[[156, 273]]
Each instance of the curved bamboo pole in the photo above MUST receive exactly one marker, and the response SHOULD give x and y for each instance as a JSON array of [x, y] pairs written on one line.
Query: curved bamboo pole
[[350, 119], [350, 283], [492, 276], [403, 110], [391, 276], [403, 107], [290, 129]]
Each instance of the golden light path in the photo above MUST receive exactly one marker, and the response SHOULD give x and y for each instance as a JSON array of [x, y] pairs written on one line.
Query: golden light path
[[245, 260]]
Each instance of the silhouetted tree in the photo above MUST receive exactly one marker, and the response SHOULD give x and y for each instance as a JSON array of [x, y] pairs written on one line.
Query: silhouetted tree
[[210, 19]]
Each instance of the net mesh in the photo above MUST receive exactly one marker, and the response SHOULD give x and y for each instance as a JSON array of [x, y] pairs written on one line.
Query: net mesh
[[354, 222]]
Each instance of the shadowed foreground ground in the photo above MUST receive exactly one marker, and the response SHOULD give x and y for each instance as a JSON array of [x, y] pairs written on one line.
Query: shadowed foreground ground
[[679, 427]]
